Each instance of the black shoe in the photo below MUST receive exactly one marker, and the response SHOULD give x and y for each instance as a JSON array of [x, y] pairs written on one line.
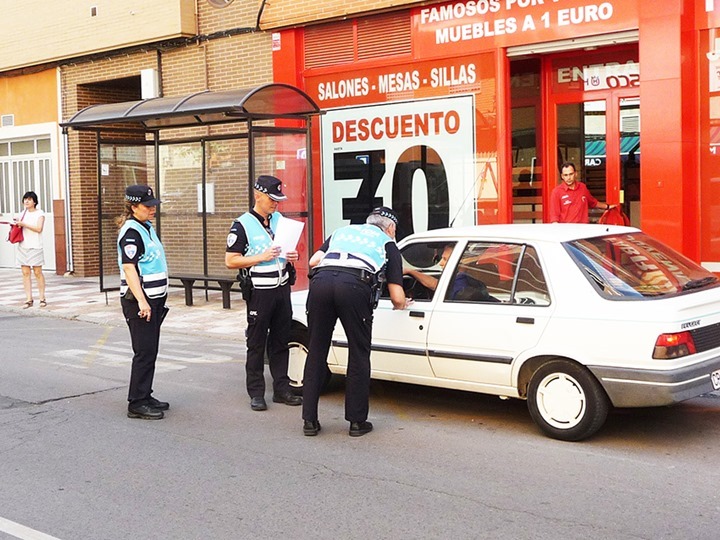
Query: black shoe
[[358, 429], [157, 404], [311, 428], [288, 398], [146, 412], [258, 404]]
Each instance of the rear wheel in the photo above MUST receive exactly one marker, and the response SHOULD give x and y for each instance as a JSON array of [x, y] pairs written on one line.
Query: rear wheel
[[298, 349], [566, 401]]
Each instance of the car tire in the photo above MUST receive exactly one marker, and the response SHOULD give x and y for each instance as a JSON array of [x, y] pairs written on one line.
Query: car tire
[[566, 401], [297, 355]]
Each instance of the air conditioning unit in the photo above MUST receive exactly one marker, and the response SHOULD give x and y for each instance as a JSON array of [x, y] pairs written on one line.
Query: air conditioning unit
[[7, 120]]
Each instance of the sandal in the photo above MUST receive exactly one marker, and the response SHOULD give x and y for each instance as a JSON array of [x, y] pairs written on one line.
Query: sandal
[[27, 304], [43, 303]]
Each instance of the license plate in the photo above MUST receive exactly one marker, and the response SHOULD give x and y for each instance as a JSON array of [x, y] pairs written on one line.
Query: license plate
[[715, 378]]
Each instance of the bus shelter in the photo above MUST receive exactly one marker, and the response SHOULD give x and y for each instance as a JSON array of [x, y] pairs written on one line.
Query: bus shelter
[[200, 153]]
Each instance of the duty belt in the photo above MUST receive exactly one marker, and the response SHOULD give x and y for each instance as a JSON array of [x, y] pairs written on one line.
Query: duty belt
[[363, 275]]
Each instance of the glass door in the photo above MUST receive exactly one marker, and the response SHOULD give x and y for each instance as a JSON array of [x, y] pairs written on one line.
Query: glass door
[[593, 121], [526, 127]]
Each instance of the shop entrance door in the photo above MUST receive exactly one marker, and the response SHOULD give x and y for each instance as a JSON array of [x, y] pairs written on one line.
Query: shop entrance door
[[590, 115]]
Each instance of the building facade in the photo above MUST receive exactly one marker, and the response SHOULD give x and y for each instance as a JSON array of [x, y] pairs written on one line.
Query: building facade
[[468, 108]]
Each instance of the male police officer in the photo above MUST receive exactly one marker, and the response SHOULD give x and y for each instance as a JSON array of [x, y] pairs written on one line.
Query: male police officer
[[345, 276], [269, 314]]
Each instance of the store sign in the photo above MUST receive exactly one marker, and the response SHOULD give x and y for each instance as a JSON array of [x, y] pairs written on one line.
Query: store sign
[[459, 27], [416, 157], [399, 83]]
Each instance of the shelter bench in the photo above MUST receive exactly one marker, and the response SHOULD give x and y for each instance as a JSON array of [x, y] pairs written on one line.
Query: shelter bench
[[188, 280]]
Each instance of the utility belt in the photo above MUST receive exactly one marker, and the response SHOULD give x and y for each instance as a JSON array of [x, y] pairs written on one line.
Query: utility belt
[[363, 275], [375, 280]]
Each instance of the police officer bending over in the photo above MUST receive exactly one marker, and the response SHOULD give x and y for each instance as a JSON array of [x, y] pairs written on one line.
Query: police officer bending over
[[269, 314], [346, 273]]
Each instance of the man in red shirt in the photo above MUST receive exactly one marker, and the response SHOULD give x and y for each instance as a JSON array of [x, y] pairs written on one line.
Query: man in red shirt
[[570, 201]]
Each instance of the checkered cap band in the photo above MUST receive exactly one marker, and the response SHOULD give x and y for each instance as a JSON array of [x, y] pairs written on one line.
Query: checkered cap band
[[384, 211]]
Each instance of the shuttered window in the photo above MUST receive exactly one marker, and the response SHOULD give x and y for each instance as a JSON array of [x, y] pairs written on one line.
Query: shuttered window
[[345, 42], [384, 35]]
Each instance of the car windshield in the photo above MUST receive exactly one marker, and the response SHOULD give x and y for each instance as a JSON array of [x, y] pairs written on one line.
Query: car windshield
[[635, 266]]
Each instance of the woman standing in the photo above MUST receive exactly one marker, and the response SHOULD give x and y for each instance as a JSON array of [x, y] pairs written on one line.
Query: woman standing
[[30, 250], [143, 291]]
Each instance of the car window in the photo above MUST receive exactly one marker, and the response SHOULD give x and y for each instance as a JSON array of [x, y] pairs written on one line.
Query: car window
[[423, 264], [636, 266], [498, 273]]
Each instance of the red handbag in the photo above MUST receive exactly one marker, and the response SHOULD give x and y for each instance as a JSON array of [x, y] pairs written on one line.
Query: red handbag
[[614, 216], [15, 236]]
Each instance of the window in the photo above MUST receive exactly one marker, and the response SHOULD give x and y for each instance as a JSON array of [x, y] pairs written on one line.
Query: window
[[498, 273], [423, 264]]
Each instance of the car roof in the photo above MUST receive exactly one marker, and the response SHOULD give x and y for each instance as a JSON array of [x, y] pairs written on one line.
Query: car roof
[[552, 232]]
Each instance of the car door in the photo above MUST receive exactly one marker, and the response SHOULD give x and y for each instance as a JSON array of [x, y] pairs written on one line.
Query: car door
[[494, 305], [400, 336]]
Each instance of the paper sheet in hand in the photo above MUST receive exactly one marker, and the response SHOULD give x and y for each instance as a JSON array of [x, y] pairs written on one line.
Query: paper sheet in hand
[[287, 234]]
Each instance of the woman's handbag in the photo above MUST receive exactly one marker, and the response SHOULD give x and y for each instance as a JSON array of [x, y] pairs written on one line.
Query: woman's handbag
[[15, 236]]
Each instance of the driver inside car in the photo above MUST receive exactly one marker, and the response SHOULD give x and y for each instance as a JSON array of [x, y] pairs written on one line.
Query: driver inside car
[[426, 280]]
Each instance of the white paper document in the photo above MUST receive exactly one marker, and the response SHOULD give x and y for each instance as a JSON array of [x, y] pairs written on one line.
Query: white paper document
[[287, 234]]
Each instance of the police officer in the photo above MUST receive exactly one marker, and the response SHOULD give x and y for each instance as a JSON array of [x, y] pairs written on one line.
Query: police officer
[[345, 275], [269, 314], [143, 291]]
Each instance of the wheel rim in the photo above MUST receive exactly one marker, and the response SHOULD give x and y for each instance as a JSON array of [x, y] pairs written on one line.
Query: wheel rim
[[561, 401], [296, 363]]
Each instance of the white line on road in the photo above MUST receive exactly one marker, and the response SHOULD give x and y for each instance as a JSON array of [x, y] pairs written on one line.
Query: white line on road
[[22, 532]]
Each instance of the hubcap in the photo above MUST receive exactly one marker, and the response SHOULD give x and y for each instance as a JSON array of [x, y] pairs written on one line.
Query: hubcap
[[561, 401], [296, 363]]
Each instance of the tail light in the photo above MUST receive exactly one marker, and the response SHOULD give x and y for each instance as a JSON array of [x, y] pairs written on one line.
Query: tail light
[[677, 345]]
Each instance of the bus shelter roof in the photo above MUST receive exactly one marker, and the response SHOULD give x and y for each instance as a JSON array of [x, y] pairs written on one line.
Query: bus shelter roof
[[275, 100]]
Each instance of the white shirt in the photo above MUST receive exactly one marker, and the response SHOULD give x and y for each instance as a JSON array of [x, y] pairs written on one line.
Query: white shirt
[[31, 239]]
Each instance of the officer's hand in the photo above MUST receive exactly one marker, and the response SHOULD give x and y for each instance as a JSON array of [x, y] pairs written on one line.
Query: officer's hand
[[271, 253], [292, 256], [145, 310]]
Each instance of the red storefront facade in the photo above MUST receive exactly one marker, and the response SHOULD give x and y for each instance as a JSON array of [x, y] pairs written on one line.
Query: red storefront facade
[[461, 112]]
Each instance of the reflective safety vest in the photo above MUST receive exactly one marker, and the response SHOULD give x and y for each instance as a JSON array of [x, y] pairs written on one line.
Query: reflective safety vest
[[152, 265], [267, 274], [357, 246]]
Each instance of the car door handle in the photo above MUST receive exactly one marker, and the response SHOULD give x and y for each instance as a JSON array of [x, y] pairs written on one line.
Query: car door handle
[[525, 320], [420, 314]]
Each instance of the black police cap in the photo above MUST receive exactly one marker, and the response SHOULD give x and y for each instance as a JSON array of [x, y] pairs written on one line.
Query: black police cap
[[384, 211], [142, 194]]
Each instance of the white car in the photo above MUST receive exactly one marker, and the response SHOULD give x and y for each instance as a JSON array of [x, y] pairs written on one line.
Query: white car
[[573, 318]]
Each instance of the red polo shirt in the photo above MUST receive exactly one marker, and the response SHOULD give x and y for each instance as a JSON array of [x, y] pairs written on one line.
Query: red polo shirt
[[568, 205]]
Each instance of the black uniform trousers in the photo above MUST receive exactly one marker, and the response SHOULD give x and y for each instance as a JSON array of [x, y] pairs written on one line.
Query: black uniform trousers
[[145, 340], [269, 316], [338, 295]]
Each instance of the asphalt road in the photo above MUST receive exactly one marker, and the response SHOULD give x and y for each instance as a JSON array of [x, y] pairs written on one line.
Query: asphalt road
[[440, 464]]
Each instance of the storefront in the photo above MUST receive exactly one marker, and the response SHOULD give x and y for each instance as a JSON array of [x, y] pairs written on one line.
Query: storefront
[[461, 113]]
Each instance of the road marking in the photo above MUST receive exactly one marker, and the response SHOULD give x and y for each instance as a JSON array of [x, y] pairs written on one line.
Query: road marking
[[22, 532]]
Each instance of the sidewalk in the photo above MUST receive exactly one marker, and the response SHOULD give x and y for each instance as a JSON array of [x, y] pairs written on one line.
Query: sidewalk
[[80, 299]]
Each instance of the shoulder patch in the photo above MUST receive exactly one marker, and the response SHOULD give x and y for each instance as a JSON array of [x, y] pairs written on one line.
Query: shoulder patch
[[231, 239], [130, 251]]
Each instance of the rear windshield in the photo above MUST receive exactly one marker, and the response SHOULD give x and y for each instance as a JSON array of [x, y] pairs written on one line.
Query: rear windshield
[[635, 266]]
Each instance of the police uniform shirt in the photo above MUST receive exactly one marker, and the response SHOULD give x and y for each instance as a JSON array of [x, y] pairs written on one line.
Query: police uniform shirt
[[237, 241], [132, 246], [393, 267]]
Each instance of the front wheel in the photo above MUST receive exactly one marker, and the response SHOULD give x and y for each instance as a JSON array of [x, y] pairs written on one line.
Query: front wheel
[[297, 355], [566, 401]]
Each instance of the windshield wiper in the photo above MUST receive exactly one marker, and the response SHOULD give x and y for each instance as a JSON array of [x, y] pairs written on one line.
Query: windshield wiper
[[698, 283]]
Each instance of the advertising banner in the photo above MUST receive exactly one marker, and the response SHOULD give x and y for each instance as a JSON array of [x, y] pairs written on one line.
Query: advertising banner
[[416, 157], [474, 25]]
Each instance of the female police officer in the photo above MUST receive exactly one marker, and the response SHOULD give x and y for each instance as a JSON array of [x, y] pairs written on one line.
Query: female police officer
[[345, 273], [143, 291]]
